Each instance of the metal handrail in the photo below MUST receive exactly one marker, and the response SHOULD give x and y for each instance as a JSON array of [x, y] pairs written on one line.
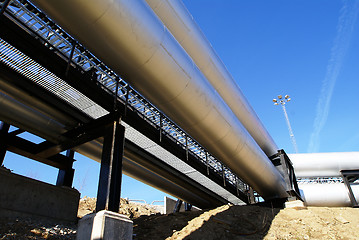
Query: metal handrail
[[320, 180]]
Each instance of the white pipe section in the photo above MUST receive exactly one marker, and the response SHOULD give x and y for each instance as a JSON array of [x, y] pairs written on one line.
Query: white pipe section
[[180, 22], [323, 164], [130, 38], [327, 195]]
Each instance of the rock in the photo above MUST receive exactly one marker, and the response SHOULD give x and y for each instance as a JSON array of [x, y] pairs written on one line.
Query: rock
[[341, 220], [36, 231]]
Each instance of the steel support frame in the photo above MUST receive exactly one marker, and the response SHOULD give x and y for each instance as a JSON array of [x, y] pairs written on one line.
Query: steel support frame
[[149, 161], [30, 150], [4, 128], [251, 197], [179, 202], [77, 136], [79, 80], [178, 205], [187, 207], [109, 188], [282, 162], [65, 177], [350, 176], [4, 6], [10, 141]]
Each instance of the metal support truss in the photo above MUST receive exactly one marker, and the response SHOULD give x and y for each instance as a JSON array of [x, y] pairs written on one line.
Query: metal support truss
[[52, 48], [179, 202], [77, 136], [282, 162], [65, 177], [349, 177], [4, 128], [187, 207], [4, 6], [251, 196], [178, 206], [29, 149], [109, 188]]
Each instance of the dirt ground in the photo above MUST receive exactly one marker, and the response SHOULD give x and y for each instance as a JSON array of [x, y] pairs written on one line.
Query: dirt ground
[[131, 209], [315, 223], [225, 222], [252, 222], [31, 228]]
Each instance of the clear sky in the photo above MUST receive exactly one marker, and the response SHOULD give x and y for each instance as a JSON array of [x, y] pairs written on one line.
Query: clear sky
[[306, 49]]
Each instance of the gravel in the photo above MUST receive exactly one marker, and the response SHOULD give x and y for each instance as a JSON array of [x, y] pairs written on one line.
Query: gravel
[[35, 229]]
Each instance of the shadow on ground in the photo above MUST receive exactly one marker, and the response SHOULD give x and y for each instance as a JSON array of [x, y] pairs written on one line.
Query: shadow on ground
[[225, 222]]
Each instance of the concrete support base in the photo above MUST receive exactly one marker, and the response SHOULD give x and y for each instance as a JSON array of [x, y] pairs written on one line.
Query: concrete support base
[[294, 204], [104, 225], [22, 197]]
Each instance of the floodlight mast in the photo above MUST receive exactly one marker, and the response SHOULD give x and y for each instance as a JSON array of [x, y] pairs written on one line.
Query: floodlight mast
[[282, 101]]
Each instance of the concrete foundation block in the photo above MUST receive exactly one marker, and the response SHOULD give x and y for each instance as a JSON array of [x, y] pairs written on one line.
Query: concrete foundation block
[[294, 204], [105, 225], [23, 197]]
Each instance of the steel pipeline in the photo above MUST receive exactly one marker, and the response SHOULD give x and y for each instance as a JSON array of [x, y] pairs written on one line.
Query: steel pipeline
[[327, 195], [29, 119], [38, 122], [129, 37], [181, 24], [323, 164]]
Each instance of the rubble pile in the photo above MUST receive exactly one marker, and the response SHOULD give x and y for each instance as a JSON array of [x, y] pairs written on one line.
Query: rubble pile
[[36, 229], [132, 210]]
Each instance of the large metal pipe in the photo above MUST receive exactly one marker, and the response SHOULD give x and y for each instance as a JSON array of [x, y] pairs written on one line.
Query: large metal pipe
[[25, 97], [327, 195], [335, 195], [32, 120], [130, 38], [135, 167], [181, 24], [323, 164], [18, 114]]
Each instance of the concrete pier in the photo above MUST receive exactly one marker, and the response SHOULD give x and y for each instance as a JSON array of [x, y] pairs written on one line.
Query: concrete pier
[[22, 197], [105, 225]]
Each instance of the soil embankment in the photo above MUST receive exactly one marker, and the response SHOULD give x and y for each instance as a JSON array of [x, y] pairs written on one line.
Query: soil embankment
[[225, 222], [252, 222]]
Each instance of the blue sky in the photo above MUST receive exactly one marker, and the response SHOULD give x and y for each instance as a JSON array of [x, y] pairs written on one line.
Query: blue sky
[[307, 49]]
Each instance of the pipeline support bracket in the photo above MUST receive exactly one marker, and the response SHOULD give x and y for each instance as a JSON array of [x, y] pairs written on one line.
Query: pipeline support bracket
[[77, 136], [282, 162], [350, 176], [65, 176], [109, 188], [4, 128], [178, 206], [4, 6]]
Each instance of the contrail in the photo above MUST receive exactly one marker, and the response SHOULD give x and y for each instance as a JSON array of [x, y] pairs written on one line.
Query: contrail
[[346, 22]]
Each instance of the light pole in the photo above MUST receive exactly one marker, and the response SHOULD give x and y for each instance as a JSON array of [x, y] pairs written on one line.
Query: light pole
[[282, 101]]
